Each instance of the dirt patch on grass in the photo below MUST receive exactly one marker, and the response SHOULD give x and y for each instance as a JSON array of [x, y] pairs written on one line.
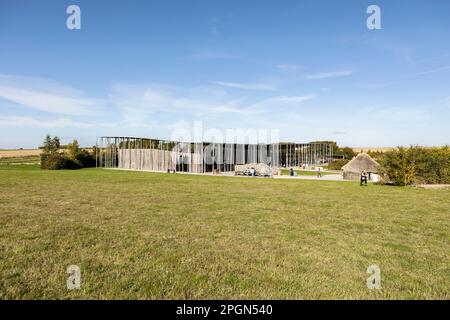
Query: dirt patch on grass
[[435, 186]]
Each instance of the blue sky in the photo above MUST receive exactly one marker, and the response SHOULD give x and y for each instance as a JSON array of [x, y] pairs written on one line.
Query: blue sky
[[311, 69]]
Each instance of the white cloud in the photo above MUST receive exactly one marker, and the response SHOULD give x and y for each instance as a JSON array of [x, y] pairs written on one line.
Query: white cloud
[[137, 107], [137, 102], [44, 95], [247, 86], [140, 103], [327, 75]]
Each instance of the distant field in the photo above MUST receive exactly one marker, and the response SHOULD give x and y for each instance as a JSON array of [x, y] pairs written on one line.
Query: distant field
[[163, 236], [373, 149], [19, 153], [5, 153]]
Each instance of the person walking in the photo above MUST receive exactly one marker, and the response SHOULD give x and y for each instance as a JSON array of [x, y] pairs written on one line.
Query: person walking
[[363, 179], [319, 172]]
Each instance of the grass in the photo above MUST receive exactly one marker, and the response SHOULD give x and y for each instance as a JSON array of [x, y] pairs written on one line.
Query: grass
[[20, 160], [285, 172], [163, 236]]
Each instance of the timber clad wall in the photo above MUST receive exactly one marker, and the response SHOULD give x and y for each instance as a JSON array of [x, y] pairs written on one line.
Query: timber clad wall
[[157, 160], [145, 159]]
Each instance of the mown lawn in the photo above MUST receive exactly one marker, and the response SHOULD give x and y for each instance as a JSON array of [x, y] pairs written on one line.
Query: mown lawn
[[19, 160], [285, 172], [162, 236]]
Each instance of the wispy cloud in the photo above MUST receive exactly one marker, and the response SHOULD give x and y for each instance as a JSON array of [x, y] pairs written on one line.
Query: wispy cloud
[[339, 133], [45, 95], [447, 101], [247, 86], [204, 55], [214, 24], [43, 123], [397, 79], [430, 71], [401, 51], [139, 103], [138, 106], [327, 75], [289, 67], [280, 102]]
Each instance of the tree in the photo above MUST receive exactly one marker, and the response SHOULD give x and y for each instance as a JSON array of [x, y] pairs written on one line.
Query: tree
[[337, 164], [51, 145], [53, 159], [73, 149], [347, 152]]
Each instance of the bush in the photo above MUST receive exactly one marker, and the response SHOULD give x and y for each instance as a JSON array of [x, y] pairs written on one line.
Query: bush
[[51, 161], [58, 161], [75, 153], [416, 165], [397, 167], [86, 159], [75, 158]]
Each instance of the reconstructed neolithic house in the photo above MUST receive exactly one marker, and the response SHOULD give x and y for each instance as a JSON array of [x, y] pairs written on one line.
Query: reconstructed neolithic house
[[165, 155], [362, 162]]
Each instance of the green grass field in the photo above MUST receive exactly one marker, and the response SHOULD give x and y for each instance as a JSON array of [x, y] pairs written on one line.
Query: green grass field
[[20, 160], [285, 172], [162, 236]]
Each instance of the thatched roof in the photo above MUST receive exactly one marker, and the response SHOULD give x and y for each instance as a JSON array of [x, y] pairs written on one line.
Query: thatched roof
[[361, 162]]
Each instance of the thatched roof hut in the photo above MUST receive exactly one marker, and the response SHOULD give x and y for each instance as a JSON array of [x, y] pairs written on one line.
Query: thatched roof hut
[[362, 162]]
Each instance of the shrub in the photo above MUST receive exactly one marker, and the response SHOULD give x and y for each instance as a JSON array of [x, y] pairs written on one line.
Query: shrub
[[397, 167], [75, 158], [86, 159], [51, 161], [75, 153], [58, 161], [416, 165]]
